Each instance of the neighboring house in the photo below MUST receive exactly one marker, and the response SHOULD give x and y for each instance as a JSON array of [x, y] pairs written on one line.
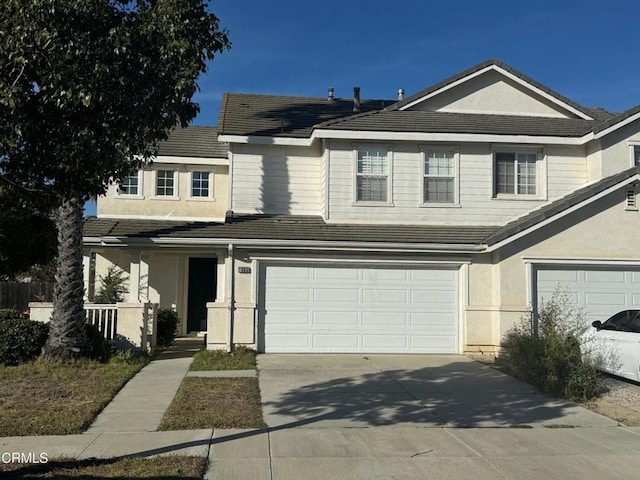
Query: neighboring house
[[425, 224]]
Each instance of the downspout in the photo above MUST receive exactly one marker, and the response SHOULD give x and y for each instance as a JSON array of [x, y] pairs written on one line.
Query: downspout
[[231, 290]]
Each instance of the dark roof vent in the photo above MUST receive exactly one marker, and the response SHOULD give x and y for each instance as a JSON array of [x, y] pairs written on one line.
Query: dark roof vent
[[228, 216], [356, 99]]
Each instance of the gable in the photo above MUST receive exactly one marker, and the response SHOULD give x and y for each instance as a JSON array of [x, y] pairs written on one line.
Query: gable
[[492, 92]]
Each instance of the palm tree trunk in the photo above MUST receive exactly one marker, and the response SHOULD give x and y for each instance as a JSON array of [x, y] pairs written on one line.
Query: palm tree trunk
[[67, 337]]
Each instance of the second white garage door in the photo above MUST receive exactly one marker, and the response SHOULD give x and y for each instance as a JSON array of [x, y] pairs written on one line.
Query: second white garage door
[[600, 291], [349, 309]]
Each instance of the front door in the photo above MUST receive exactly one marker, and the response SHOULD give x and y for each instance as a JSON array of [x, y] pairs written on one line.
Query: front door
[[202, 289]]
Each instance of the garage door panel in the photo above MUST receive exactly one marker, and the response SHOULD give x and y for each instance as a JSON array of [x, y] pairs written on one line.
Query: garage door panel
[[336, 342], [333, 295], [293, 295], [286, 319], [321, 273], [557, 276], [431, 297], [384, 275], [359, 309], [335, 319], [599, 276], [385, 342], [434, 319], [383, 296], [384, 318], [432, 343], [616, 299]]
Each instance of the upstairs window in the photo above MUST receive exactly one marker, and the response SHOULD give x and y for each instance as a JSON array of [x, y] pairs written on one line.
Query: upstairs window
[[372, 175], [516, 173], [200, 184], [165, 183], [439, 183], [130, 185], [636, 155]]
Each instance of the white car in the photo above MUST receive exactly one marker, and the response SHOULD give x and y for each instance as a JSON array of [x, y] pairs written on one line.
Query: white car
[[618, 344]]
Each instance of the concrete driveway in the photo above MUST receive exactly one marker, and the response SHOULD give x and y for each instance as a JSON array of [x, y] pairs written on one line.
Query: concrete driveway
[[319, 391]]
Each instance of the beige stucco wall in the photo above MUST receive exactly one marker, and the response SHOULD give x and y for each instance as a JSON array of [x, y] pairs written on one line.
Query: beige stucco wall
[[492, 92], [182, 206], [616, 150]]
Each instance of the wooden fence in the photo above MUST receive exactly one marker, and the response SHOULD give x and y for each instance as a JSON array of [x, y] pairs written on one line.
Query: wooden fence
[[18, 294]]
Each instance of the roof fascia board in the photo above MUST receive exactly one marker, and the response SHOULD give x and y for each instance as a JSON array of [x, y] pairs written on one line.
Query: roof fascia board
[[507, 74], [617, 126], [181, 160], [562, 214], [258, 140], [450, 137], [288, 244]]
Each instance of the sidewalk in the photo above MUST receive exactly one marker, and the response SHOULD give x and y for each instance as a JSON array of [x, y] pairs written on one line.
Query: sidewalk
[[139, 406]]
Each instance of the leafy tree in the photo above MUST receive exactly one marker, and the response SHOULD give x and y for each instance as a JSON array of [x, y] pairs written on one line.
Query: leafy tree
[[27, 235], [87, 89]]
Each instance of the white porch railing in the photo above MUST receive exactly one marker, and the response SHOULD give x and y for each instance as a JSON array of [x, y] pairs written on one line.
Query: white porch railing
[[104, 317], [129, 325]]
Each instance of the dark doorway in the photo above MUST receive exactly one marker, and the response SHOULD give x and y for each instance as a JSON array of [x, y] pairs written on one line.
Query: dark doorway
[[202, 289]]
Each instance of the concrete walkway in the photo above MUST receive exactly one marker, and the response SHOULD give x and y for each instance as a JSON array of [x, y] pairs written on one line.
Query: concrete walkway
[[141, 403]]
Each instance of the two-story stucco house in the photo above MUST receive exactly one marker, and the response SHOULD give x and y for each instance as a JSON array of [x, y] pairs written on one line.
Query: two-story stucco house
[[422, 224]]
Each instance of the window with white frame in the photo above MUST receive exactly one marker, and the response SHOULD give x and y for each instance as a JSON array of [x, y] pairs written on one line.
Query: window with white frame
[[439, 182], [165, 183], [130, 185], [516, 173], [636, 155], [200, 184], [372, 175]]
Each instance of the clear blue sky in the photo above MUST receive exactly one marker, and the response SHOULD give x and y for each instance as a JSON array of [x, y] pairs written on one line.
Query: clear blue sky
[[586, 50]]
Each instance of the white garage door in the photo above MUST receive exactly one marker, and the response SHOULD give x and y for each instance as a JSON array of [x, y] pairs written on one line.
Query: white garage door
[[600, 291], [359, 309]]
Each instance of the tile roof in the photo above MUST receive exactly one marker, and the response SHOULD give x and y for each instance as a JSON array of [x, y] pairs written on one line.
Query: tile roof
[[446, 122], [194, 141], [297, 117], [286, 227], [282, 116]]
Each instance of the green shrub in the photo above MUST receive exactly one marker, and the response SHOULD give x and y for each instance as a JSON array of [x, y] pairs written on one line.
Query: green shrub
[[166, 327], [552, 353], [9, 314], [21, 340], [112, 287], [99, 348]]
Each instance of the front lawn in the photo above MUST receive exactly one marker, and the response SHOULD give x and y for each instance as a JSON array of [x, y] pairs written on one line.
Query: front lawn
[[167, 468], [52, 398], [215, 403], [239, 359]]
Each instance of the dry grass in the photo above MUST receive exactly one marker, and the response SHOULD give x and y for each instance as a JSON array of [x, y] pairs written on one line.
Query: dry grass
[[215, 403], [166, 468], [239, 359], [52, 398]]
